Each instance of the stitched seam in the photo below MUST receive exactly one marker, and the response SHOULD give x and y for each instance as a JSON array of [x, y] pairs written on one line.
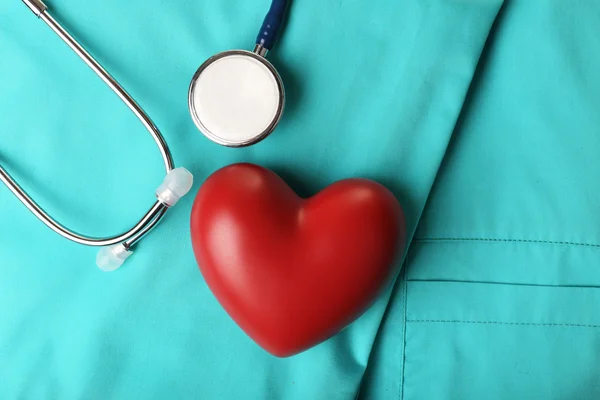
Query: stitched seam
[[404, 334], [501, 323], [501, 283], [508, 240]]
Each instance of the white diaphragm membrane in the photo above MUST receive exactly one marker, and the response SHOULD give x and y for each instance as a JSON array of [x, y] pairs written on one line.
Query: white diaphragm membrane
[[236, 98]]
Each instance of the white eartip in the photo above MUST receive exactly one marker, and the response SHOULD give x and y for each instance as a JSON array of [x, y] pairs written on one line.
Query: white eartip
[[112, 257], [176, 185]]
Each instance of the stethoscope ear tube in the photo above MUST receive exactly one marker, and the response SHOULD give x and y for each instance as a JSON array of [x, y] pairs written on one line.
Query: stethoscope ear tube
[[178, 181], [37, 6]]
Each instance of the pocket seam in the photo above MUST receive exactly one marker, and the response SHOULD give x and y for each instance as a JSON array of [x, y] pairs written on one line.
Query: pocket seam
[[448, 321], [405, 317], [502, 283], [503, 240]]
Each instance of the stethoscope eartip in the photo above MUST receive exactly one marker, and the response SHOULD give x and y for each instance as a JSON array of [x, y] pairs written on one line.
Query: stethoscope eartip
[[177, 183], [112, 257]]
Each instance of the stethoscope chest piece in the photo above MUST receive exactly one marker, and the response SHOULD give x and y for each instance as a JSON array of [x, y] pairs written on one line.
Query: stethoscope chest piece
[[236, 98]]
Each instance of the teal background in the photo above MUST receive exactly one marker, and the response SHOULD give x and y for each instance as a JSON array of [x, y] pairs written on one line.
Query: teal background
[[480, 116], [501, 287]]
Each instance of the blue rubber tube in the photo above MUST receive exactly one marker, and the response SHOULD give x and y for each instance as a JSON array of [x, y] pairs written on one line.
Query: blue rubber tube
[[270, 27]]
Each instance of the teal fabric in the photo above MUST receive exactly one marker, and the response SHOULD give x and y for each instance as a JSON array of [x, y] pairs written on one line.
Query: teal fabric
[[501, 286], [478, 115]]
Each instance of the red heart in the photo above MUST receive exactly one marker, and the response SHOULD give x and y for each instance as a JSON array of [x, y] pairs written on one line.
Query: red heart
[[292, 272]]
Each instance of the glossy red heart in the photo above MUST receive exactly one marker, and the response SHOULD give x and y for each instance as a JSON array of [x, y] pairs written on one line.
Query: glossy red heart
[[292, 272]]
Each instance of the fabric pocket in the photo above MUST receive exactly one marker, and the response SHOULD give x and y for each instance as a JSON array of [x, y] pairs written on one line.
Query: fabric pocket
[[499, 319], [499, 341], [500, 290]]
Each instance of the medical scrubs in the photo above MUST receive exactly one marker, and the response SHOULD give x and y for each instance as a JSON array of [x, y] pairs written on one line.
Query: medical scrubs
[[481, 116]]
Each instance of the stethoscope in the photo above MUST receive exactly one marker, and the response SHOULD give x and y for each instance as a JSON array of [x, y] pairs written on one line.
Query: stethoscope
[[236, 99]]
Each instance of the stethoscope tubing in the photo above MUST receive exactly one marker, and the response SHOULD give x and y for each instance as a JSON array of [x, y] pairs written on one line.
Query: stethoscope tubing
[[269, 31], [156, 212], [265, 40]]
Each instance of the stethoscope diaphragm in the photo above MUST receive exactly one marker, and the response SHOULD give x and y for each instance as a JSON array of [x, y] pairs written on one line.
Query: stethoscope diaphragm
[[236, 98]]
